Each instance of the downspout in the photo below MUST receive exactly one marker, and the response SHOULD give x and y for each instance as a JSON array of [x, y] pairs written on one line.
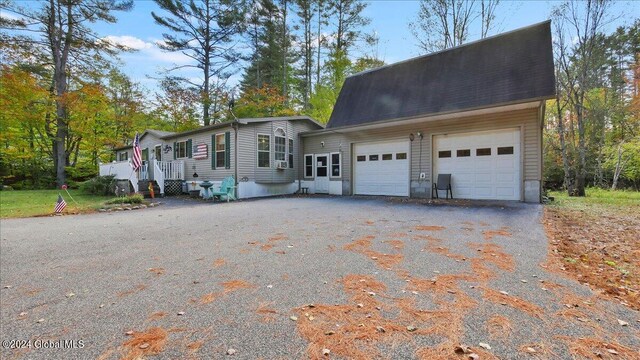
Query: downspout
[[235, 125]]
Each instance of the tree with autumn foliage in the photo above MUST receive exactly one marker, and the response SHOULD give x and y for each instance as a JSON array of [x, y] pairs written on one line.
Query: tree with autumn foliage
[[265, 101]]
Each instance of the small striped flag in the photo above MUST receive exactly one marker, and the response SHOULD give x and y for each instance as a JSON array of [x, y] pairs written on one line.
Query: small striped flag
[[200, 152], [60, 205], [136, 161]]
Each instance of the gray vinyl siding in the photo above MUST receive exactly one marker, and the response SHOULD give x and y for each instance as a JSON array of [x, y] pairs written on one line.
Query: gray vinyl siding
[[248, 162], [527, 120], [129, 153], [332, 143], [203, 166], [149, 141]]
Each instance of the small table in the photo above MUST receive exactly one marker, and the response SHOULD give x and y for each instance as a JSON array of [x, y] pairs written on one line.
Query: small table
[[304, 190]]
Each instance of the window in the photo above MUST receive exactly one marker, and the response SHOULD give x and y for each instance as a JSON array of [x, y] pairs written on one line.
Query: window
[[124, 156], [361, 158], [290, 153], [387, 156], [279, 149], [157, 151], [373, 157], [335, 164], [264, 147], [181, 149], [308, 166], [220, 151], [401, 156], [483, 152], [506, 150], [444, 154], [463, 153]]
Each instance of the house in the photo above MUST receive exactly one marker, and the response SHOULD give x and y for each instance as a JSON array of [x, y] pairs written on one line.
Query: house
[[474, 111], [260, 153]]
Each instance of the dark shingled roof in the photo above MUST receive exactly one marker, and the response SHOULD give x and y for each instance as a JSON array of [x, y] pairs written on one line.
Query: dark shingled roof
[[509, 68]]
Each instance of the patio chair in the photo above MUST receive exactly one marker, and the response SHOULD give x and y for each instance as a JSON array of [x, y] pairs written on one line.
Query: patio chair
[[443, 183], [227, 189]]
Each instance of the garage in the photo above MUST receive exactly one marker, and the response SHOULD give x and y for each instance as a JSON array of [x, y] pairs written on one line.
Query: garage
[[382, 168], [483, 165]]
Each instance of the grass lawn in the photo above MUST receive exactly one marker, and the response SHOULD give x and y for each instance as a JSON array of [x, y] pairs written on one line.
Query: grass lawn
[[597, 240], [26, 203], [607, 199]]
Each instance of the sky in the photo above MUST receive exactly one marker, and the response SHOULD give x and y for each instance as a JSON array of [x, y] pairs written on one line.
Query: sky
[[389, 20]]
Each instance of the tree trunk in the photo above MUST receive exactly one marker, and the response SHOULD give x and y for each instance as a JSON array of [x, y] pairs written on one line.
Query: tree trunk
[[581, 174], [618, 170], [206, 101], [568, 183], [319, 43]]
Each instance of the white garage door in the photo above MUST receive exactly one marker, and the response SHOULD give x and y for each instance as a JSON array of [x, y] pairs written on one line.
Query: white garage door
[[483, 165], [382, 168]]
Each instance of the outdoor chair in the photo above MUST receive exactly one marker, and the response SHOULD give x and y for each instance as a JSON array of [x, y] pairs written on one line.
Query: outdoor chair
[[227, 189], [443, 183]]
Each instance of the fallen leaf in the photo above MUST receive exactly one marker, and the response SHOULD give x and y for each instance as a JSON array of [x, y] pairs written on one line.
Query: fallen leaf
[[326, 352], [622, 322], [293, 317], [231, 351], [485, 346]]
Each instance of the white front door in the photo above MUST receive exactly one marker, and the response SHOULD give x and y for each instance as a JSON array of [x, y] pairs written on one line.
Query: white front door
[[382, 168], [322, 174], [483, 165]]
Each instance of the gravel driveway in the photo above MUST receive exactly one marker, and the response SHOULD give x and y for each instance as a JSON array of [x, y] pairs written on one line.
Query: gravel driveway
[[295, 278]]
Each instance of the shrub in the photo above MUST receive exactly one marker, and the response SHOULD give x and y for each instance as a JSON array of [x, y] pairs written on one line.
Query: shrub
[[100, 185], [131, 199]]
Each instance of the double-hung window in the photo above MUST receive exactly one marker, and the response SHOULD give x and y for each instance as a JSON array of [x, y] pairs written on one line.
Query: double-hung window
[[291, 153], [264, 147], [220, 151], [308, 166], [181, 149], [280, 146], [335, 164], [124, 156]]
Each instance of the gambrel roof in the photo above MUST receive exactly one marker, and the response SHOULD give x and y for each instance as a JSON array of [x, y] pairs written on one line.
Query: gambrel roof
[[505, 69]]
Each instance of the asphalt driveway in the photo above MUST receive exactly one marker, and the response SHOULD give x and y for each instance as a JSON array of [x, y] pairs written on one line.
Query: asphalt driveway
[[297, 278]]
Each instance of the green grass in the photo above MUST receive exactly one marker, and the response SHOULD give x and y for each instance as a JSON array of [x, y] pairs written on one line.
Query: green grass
[[597, 197], [26, 203]]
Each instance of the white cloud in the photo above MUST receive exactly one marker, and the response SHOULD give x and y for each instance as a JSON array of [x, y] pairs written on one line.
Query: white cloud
[[149, 50], [131, 42]]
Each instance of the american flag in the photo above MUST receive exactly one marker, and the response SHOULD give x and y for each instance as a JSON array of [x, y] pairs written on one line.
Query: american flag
[[200, 152], [136, 162], [60, 205]]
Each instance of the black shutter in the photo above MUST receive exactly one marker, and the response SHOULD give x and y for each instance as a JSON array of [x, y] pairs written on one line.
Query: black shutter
[[189, 148], [227, 150], [213, 151], [175, 150]]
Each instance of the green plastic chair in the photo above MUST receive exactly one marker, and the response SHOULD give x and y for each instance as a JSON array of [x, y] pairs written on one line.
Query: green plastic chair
[[227, 189]]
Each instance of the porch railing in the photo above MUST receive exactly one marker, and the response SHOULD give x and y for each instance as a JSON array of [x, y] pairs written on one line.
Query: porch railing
[[150, 170], [172, 170]]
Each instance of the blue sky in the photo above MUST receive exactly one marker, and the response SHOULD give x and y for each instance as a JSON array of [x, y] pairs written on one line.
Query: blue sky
[[389, 19]]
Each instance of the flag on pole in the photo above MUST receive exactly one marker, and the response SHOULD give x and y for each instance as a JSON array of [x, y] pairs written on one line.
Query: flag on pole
[[136, 162], [60, 205]]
